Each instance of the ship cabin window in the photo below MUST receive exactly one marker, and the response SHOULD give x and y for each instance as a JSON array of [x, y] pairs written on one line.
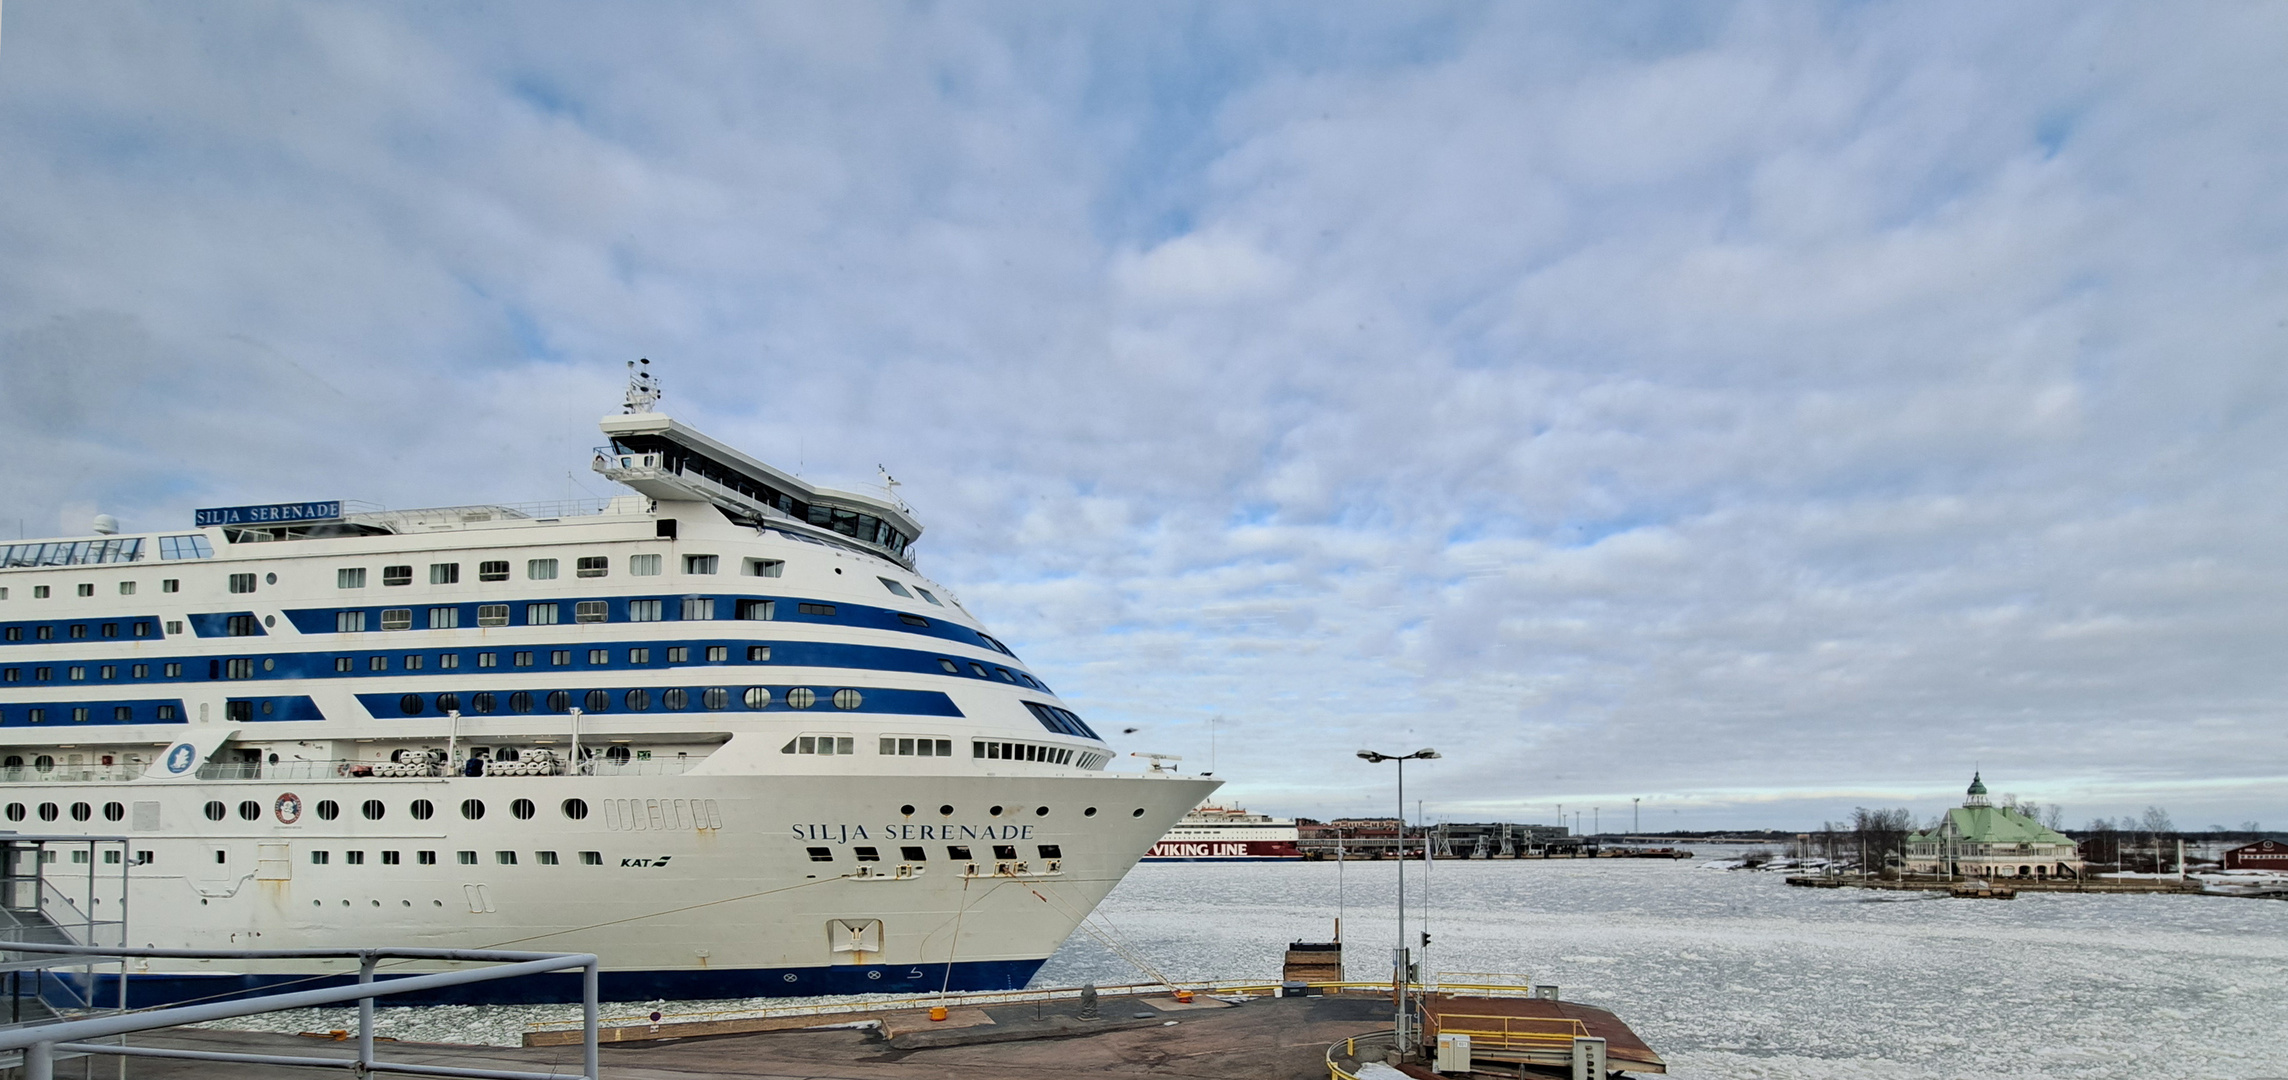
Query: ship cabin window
[[820, 854], [592, 566], [391, 858], [249, 810], [242, 583], [699, 564], [397, 575], [560, 658], [764, 568], [126, 588], [540, 569], [87, 588], [904, 746], [350, 577], [913, 854], [544, 858], [640, 565], [505, 858], [678, 654], [522, 659], [493, 615], [39, 592], [912, 620], [721, 654], [444, 618], [174, 626], [599, 656], [1004, 851], [592, 611], [413, 662], [591, 858], [354, 858], [448, 660], [698, 607], [377, 663], [171, 585], [466, 858], [758, 610], [980, 670], [397, 618], [349, 622], [12, 675], [540, 614], [822, 745], [756, 654], [848, 699], [425, 858], [867, 854], [957, 852], [494, 570], [642, 611], [895, 588], [318, 858], [445, 573], [815, 609]]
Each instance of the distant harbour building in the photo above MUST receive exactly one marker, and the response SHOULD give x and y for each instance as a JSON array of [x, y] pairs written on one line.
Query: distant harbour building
[[2261, 855], [1980, 839]]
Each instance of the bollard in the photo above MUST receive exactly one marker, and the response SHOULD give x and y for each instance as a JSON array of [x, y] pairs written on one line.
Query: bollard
[[1588, 1058], [1088, 1001], [937, 1012], [1183, 997]]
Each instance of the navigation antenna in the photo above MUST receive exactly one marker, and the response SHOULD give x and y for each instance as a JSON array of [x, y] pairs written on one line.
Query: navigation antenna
[[891, 484], [643, 388], [1160, 761]]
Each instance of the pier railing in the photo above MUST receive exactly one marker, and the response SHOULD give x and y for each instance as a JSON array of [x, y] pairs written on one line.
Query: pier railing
[[40, 1043]]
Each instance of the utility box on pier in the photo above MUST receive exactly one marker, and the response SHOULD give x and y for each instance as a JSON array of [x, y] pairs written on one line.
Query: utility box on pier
[[1453, 1054]]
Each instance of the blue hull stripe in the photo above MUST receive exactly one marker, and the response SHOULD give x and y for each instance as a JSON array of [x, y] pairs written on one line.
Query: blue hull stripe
[[146, 991]]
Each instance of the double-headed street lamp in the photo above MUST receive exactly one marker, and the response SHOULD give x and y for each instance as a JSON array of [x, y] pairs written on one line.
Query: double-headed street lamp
[[1399, 955]]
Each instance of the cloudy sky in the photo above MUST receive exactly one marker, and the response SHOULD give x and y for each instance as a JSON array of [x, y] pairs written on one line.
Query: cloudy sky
[[1758, 410]]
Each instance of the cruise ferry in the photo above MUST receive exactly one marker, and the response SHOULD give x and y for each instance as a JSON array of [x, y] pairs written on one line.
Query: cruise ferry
[[1227, 834], [721, 733]]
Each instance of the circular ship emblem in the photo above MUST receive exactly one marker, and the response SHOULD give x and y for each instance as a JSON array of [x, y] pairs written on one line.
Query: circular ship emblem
[[180, 757], [289, 808]]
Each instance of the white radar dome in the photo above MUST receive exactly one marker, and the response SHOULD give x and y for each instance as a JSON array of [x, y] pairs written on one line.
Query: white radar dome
[[105, 524]]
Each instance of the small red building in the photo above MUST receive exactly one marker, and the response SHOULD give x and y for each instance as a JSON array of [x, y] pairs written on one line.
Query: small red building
[[2261, 855]]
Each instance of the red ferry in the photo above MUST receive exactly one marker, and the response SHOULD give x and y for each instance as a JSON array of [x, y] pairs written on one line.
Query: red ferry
[[1227, 834]]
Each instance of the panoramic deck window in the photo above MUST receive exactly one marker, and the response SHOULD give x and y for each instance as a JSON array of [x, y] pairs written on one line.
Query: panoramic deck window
[[895, 588], [765, 568]]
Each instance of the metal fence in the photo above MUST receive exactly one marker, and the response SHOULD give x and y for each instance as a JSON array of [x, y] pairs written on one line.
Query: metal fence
[[40, 1043]]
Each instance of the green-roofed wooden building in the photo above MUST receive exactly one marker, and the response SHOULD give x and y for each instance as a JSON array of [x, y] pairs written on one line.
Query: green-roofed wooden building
[[1980, 839]]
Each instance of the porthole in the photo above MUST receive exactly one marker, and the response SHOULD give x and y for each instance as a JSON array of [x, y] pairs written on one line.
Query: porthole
[[448, 702], [270, 579], [372, 809], [49, 812], [848, 699], [715, 697], [16, 810], [328, 809], [422, 810], [249, 810], [1138, 813], [994, 812], [801, 697], [1090, 812], [618, 755], [559, 701], [82, 811], [677, 699], [520, 701], [474, 809], [758, 697], [410, 704], [639, 699], [269, 663], [576, 809], [947, 810], [907, 810], [1040, 811], [599, 701], [215, 811], [522, 809], [481, 702]]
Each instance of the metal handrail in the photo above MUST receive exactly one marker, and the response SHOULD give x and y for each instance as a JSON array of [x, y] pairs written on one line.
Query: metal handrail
[[1506, 1036], [40, 1043]]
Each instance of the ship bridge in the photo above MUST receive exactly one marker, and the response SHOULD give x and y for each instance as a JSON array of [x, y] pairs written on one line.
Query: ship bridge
[[664, 459]]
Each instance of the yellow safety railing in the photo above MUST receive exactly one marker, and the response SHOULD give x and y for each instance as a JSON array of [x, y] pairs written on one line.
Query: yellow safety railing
[[1511, 1032]]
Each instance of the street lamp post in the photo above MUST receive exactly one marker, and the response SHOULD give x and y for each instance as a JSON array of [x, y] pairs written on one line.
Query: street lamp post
[[1399, 955]]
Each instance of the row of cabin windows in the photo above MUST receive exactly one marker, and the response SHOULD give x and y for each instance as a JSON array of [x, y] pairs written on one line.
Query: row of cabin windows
[[1017, 751], [79, 811], [429, 858], [587, 566], [371, 810], [78, 631], [87, 588], [80, 714], [695, 609], [674, 654], [955, 852], [78, 672], [673, 699]]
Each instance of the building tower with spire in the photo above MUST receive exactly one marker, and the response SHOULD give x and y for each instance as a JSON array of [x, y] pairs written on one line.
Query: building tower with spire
[[1980, 839]]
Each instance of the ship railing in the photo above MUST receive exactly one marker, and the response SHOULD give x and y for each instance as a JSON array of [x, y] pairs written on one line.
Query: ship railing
[[388, 770], [36, 1046], [71, 774]]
